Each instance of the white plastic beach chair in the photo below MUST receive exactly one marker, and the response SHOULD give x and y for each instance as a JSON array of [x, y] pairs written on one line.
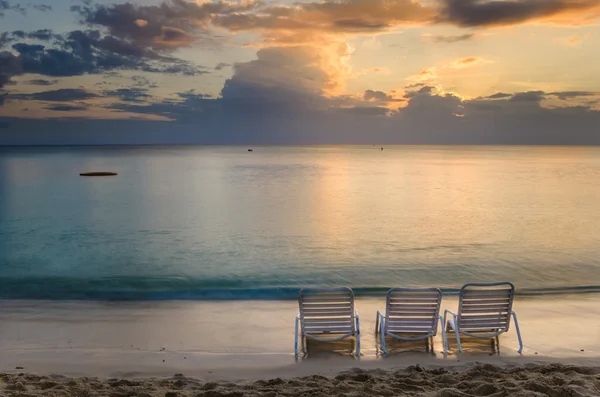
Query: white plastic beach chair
[[411, 314], [484, 311], [327, 315]]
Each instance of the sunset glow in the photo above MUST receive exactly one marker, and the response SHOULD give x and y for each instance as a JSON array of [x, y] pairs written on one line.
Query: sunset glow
[[354, 71]]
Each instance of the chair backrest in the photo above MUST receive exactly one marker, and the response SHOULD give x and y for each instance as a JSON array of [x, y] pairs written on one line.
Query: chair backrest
[[412, 310], [326, 310], [485, 307]]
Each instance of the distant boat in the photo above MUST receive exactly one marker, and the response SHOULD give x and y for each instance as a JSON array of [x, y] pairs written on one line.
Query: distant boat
[[98, 174], [250, 150]]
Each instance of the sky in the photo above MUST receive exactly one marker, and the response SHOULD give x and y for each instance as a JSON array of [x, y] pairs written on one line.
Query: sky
[[300, 72]]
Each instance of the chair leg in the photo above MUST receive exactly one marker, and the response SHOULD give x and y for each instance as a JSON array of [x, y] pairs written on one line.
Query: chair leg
[[518, 332], [457, 337], [444, 339], [383, 348], [296, 338], [357, 353]]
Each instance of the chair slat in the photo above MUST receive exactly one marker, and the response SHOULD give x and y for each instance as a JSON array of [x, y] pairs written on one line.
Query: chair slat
[[421, 322], [335, 321], [485, 301], [485, 309], [326, 306], [497, 293], [405, 311], [330, 330], [321, 296], [413, 300], [425, 307], [407, 330]]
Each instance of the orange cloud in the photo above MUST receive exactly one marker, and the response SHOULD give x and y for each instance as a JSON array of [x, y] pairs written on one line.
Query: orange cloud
[[574, 40], [467, 62]]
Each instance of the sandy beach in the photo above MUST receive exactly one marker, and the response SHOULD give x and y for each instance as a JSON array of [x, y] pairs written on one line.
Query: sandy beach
[[198, 348], [471, 380]]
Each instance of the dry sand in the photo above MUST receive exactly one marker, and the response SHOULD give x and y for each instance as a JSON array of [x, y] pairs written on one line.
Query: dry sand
[[477, 380]]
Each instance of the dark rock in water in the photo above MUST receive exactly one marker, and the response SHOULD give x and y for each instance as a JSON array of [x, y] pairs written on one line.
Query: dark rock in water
[[98, 173], [250, 150]]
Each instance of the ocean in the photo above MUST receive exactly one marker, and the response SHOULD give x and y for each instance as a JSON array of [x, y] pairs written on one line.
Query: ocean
[[224, 223]]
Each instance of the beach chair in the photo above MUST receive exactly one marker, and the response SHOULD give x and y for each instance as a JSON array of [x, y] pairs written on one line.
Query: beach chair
[[327, 315], [484, 311], [411, 314]]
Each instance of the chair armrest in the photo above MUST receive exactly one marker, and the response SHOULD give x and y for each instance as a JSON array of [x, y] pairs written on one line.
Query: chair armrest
[[446, 314]]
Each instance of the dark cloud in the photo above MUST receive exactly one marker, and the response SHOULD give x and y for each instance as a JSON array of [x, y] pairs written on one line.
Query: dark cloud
[[5, 5], [129, 94], [67, 108], [566, 95], [166, 26], [453, 39], [499, 95], [85, 52], [427, 118], [9, 66], [40, 35], [371, 95], [222, 65], [42, 7], [61, 95], [508, 12], [42, 82], [366, 110], [424, 90], [529, 96], [360, 25]]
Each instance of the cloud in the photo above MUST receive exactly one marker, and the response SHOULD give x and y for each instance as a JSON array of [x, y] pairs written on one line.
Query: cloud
[[9, 66], [173, 37], [453, 39], [574, 40], [66, 108], [42, 82], [6, 6], [87, 52], [60, 95], [471, 13], [428, 117], [222, 65], [165, 26], [42, 7], [529, 96], [467, 62], [371, 95], [129, 94], [566, 95], [366, 110], [499, 95]]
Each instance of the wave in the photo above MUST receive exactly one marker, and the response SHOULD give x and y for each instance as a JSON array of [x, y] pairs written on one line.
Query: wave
[[180, 288]]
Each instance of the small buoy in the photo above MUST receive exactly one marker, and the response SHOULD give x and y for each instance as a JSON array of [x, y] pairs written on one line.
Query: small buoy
[[98, 173], [250, 150]]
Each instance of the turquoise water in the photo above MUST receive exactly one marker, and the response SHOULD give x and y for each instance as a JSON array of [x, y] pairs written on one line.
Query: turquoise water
[[225, 223]]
